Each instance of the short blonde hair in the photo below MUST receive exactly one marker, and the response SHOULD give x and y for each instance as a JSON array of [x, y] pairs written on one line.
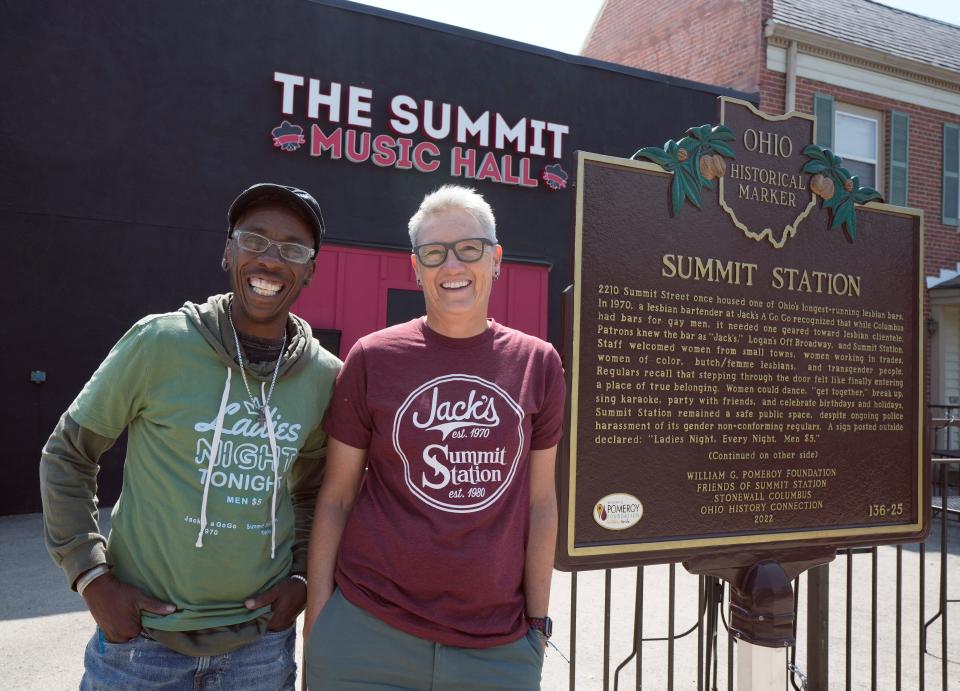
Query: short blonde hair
[[450, 198]]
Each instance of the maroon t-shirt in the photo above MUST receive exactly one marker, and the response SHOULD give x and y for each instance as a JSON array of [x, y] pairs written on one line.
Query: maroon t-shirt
[[435, 543]]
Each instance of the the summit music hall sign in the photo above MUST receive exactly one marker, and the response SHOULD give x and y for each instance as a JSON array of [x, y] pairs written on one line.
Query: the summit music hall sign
[[744, 351]]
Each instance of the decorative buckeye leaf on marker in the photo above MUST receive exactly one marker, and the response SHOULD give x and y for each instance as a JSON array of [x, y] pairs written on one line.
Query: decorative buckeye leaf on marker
[[666, 157], [822, 186], [710, 150], [695, 161], [839, 191]]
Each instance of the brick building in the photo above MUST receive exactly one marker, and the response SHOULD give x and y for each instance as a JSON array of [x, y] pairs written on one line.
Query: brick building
[[883, 83]]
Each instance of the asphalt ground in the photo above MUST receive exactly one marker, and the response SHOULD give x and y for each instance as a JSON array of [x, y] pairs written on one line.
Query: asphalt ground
[[44, 626]]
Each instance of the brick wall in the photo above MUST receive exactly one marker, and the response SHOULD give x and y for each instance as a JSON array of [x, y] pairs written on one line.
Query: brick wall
[[721, 42], [710, 41], [924, 190], [925, 162]]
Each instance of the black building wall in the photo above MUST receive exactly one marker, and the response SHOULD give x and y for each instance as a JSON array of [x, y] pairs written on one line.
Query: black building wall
[[127, 128]]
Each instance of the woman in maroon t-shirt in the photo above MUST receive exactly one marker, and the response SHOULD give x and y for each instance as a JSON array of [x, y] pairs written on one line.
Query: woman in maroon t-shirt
[[433, 538]]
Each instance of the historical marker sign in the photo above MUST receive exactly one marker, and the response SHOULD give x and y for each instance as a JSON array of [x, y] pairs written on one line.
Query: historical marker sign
[[746, 375]]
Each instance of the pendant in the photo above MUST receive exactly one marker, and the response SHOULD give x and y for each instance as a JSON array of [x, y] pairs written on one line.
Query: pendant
[[262, 415]]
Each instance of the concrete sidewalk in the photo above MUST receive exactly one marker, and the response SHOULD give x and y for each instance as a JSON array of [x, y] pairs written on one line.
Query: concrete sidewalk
[[44, 626]]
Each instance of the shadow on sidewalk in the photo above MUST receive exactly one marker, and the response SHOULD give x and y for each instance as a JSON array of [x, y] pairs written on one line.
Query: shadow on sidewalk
[[32, 585]]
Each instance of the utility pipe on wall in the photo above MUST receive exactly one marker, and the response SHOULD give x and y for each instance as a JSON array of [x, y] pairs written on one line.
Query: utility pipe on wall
[[790, 99]]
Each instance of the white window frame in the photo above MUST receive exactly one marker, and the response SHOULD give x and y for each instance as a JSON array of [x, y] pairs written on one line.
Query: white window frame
[[876, 118]]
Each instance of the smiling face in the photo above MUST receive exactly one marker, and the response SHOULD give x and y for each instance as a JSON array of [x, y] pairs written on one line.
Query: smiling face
[[456, 293], [264, 285]]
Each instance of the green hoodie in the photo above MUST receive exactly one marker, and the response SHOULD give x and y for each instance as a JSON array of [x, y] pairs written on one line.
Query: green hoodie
[[172, 382]]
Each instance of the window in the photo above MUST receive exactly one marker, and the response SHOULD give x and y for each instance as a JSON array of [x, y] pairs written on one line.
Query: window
[[856, 135], [403, 305], [951, 173]]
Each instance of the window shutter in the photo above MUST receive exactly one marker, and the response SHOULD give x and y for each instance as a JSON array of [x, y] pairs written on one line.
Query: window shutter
[[899, 147], [823, 111], [951, 173]]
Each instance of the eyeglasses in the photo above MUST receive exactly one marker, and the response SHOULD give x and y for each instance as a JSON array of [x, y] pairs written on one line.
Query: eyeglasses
[[289, 251], [467, 251]]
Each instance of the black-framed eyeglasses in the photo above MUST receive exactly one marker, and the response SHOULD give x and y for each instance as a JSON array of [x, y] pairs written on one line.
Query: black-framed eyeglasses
[[468, 251], [258, 244]]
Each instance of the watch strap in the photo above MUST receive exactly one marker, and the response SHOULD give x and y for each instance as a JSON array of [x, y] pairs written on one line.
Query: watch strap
[[542, 624]]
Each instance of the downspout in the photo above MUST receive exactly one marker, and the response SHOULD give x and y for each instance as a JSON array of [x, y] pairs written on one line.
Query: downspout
[[790, 97], [790, 92]]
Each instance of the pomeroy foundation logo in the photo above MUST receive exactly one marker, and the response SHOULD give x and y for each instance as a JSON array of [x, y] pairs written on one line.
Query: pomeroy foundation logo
[[460, 438], [618, 511], [287, 136]]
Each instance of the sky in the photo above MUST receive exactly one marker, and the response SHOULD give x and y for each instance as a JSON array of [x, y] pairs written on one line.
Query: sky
[[563, 24]]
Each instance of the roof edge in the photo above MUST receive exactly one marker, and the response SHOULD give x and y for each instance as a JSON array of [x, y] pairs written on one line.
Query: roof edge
[[593, 26], [880, 61]]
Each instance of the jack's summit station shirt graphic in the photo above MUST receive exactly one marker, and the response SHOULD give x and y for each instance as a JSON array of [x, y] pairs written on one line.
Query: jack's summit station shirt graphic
[[436, 542]]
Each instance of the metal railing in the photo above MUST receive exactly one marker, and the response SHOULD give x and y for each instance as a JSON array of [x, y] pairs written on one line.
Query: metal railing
[[878, 635]]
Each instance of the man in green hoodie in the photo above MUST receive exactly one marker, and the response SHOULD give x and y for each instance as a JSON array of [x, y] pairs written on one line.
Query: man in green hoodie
[[204, 571]]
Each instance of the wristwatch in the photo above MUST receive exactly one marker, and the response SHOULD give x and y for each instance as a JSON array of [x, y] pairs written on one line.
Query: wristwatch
[[542, 624]]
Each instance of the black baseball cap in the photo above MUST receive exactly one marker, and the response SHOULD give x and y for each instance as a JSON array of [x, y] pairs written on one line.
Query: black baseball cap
[[292, 197]]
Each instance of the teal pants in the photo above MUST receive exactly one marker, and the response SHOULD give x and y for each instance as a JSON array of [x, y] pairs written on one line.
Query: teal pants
[[349, 648]]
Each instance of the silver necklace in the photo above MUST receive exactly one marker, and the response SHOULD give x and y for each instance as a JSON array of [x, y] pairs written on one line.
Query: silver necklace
[[258, 405]]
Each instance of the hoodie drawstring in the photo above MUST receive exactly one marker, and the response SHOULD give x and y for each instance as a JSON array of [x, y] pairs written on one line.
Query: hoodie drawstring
[[276, 470], [214, 449]]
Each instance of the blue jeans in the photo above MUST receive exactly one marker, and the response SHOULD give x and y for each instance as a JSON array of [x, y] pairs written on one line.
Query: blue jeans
[[141, 663]]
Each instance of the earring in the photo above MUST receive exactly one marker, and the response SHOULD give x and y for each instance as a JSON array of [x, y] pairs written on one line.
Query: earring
[[419, 282], [496, 276], [223, 264]]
